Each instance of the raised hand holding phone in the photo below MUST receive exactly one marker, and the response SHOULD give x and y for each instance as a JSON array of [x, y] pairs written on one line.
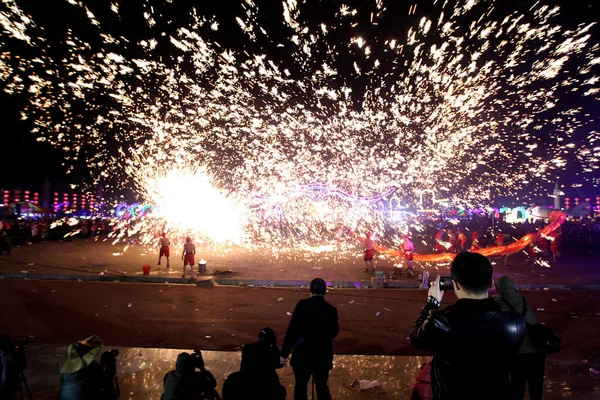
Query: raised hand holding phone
[[435, 290]]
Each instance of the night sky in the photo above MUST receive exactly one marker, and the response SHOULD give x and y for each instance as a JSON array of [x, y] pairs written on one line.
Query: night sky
[[25, 162]]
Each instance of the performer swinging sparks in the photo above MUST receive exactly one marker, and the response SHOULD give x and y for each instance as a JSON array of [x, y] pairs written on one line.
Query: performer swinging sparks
[[408, 249], [189, 249], [369, 252], [164, 244]]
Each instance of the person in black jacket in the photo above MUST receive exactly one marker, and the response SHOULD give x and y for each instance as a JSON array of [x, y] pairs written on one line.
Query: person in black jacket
[[474, 340], [310, 335], [257, 377], [530, 362]]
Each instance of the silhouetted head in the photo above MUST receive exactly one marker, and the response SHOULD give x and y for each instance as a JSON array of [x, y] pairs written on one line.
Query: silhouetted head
[[318, 286], [472, 274], [267, 335]]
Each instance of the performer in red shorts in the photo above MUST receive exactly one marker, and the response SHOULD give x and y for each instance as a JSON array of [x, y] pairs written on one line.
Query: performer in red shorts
[[439, 238], [369, 252], [475, 241], [408, 248], [189, 249], [164, 244], [452, 240]]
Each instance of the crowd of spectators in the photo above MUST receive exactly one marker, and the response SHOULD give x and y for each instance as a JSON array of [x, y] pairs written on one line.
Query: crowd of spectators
[[482, 348], [23, 232]]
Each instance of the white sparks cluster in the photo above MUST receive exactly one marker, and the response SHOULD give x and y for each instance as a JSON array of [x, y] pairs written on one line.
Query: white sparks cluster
[[468, 101]]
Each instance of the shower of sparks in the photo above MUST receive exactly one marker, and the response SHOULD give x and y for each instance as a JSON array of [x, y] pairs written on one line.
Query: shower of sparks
[[188, 202], [467, 103]]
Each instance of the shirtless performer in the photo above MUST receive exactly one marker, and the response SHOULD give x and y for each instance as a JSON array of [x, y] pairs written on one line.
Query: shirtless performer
[[369, 252], [408, 250], [189, 249], [164, 244]]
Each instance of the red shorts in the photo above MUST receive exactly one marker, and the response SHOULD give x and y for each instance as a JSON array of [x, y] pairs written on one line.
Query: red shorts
[[408, 256], [164, 251], [189, 259], [369, 255], [554, 247]]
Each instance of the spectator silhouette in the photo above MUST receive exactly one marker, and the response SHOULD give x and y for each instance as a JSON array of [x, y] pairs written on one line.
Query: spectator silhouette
[[257, 377], [309, 338], [81, 377], [529, 363], [5, 245], [185, 382], [473, 340]]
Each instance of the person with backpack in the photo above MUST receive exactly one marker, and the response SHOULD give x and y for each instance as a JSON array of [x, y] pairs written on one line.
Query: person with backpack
[[530, 362]]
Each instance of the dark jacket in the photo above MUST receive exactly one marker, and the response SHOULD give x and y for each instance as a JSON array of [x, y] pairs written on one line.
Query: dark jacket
[[510, 297], [186, 383], [260, 361], [313, 327], [473, 342]]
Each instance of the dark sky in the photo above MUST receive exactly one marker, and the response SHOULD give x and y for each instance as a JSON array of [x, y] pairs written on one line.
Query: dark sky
[[25, 162]]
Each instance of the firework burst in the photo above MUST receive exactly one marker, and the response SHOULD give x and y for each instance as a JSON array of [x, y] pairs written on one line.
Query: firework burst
[[470, 100]]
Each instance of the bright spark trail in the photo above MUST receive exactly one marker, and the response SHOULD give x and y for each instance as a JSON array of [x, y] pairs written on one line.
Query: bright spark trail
[[468, 101]]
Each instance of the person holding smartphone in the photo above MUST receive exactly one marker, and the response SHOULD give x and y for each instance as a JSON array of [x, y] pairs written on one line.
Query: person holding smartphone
[[473, 340]]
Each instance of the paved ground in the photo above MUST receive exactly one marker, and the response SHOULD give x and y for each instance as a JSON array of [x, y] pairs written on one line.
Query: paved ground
[[141, 372], [93, 259], [224, 318]]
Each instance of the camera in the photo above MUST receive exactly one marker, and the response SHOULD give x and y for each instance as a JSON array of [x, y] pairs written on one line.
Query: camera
[[197, 359], [13, 366], [446, 283], [21, 343], [108, 361]]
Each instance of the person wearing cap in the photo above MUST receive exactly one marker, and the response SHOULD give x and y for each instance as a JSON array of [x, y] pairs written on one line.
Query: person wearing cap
[[309, 338], [81, 377], [257, 378], [530, 362]]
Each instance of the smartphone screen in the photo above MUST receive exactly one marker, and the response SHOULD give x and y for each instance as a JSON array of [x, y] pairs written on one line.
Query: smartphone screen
[[446, 283]]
